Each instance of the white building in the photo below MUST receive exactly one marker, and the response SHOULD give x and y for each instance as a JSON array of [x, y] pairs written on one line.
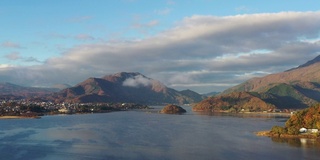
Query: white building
[[305, 130]]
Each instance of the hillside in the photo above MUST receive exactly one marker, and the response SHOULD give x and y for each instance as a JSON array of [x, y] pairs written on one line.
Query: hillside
[[233, 102], [306, 74], [125, 87], [295, 88]]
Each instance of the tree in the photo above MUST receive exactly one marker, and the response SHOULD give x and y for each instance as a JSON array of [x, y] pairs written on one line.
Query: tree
[[278, 130]]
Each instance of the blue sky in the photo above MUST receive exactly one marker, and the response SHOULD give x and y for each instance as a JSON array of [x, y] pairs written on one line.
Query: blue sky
[[39, 38]]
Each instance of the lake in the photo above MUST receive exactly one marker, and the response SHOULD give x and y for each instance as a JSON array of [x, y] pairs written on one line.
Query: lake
[[140, 134]]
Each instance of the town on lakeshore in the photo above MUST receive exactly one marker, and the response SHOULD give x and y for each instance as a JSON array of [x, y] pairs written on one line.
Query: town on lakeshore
[[27, 109]]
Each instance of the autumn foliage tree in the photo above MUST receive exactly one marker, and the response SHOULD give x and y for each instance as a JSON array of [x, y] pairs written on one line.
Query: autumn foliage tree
[[278, 130], [307, 118]]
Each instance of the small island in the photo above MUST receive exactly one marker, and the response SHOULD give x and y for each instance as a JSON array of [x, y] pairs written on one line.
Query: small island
[[173, 109], [302, 124]]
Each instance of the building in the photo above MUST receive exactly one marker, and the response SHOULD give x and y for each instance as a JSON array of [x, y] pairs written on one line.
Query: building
[[305, 130]]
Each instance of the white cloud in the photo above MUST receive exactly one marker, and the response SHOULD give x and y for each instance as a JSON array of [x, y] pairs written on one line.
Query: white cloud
[[56, 36], [144, 28], [137, 81], [84, 37], [171, 2], [205, 50], [80, 19], [13, 56], [5, 66], [9, 44], [243, 9], [164, 11]]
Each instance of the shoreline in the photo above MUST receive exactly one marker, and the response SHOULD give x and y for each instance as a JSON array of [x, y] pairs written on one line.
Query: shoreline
[[268, 134], [223, 111], [20, 117], [287, 114]]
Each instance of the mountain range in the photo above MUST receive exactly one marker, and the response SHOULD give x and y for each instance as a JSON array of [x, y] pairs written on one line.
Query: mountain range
[[125, 87], [295, 88], [292, 89], [13, 91]]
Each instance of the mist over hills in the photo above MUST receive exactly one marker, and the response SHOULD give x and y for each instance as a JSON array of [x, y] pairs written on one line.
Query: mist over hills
[[295, 88]]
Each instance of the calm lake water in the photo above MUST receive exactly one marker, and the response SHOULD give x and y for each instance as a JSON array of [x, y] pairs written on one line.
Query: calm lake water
[[143, 135]]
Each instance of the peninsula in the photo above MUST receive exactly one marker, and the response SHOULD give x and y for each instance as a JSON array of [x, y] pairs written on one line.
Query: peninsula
[[302, 124]]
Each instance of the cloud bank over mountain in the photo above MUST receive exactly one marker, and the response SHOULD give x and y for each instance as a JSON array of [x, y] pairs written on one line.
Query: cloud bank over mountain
[[137, 81], [202, 53]]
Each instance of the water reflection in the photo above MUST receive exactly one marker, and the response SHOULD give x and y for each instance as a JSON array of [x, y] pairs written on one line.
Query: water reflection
[[15, 144], [278, 116], [140, 135], [298, 142]]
